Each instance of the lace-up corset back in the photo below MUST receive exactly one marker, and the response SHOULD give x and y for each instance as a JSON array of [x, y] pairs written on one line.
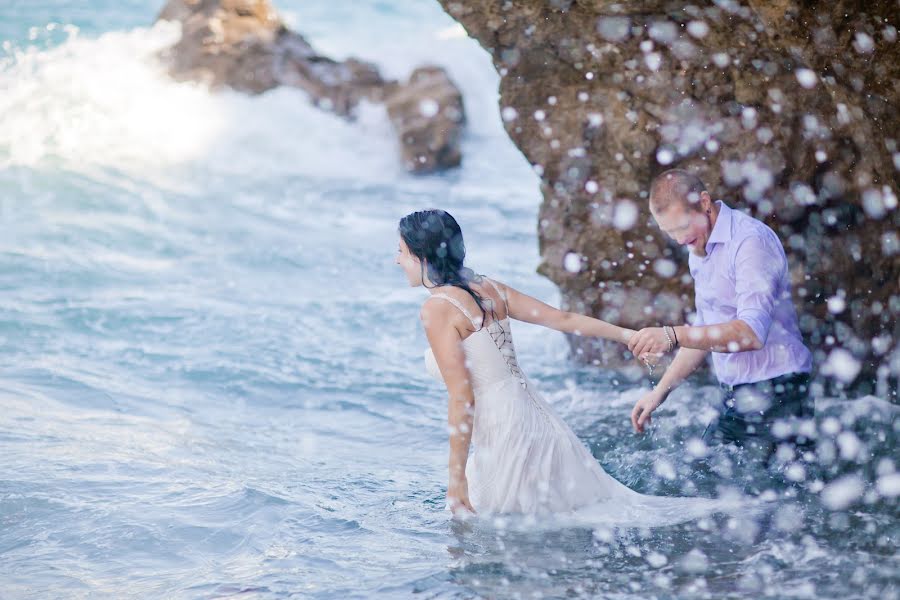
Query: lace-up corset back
[[490, 353]]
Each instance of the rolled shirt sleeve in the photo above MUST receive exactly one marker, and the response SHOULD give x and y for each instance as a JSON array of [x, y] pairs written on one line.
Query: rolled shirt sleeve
[[759, 268]]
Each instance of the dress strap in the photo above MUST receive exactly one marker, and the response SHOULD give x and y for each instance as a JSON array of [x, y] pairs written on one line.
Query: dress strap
[[455, 303], [499, 291]]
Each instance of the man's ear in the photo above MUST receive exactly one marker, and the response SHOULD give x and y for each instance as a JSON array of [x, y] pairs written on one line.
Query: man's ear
[[705, 201]]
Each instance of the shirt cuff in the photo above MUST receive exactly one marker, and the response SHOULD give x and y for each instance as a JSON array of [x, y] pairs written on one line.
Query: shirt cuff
[[758, 320]]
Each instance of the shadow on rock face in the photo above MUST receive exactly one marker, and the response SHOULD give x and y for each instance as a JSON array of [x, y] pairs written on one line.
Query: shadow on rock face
[[244, 45]]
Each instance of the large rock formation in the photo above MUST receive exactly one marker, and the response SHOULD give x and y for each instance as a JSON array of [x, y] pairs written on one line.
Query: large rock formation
[[242, 44], [425, 113], [787, 109]]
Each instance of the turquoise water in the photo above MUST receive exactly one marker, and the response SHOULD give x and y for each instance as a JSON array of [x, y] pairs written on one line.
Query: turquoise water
[[211, 375]]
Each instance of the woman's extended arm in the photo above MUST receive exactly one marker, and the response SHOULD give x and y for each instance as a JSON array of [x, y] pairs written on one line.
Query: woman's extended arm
[[531, 310], [446, 345]]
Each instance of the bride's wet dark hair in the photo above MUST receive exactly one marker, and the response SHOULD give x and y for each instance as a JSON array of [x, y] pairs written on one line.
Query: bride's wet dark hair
[[435, 238]]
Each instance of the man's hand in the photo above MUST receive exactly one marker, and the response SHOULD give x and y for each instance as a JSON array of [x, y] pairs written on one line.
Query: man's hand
[[649, 340], [643, 408], [458, 498]]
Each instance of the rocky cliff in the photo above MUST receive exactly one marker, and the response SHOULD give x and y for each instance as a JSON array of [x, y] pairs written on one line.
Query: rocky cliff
[[244, 45], [786, 109]]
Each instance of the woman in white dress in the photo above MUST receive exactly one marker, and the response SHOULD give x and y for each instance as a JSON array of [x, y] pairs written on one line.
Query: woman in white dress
[[526, 460]]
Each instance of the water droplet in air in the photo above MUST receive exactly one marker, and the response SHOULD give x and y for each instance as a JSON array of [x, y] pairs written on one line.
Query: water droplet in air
[[721, 59], [806, 78], [698, 29], [664, 267], [836, 305], [614, 29], [572, 262], [509, 114], [863, 43], [657, 560], [841, 365], [653, 61], [696, 448], [694, 562], [842, 492], [849, 445], [664, 32], [795, 472], [428, 107], [664, 468], [889, 485], [665, 156], [625, 215]]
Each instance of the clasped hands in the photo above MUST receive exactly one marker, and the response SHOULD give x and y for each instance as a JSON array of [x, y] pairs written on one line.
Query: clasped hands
[[649, 344]]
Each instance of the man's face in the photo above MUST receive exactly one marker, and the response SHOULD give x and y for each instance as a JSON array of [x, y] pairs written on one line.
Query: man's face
[[688, 225]]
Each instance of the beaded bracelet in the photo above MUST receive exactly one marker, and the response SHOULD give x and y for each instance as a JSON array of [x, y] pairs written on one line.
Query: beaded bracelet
[[668, 338]]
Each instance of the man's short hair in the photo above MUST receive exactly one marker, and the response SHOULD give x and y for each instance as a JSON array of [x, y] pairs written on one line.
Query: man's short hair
[[675, 185]]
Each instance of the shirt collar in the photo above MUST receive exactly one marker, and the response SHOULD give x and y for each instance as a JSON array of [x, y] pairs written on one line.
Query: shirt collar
[[721, 232]]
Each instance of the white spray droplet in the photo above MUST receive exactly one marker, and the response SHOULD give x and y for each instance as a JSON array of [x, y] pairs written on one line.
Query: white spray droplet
[[849, 445], [664, 468], [572, 262], [842, 365], [807, 78], [665, 156], [836, 305], [889, 485], [698, 29], [614, 29], [842, 492], [863, 43], [625, 215], [428, 107], [656, 560], [664, 267]]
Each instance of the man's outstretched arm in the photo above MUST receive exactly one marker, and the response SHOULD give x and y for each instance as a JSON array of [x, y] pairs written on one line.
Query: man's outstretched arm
[[733, 336], [686, 362]]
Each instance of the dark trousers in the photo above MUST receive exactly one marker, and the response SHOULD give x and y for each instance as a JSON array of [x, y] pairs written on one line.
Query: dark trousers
[[759, 416]]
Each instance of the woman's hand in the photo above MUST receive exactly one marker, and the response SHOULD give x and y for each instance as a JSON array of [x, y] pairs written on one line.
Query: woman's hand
[[458, 498]]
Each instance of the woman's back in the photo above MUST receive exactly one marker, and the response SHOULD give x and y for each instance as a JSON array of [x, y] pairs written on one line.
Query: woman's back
[[490, 352]]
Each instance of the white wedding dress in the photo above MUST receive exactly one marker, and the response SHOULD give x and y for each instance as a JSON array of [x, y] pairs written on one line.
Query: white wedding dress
[[526, 460]]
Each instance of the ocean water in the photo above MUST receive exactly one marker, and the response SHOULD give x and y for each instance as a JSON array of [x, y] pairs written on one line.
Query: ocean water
[[211, 375]]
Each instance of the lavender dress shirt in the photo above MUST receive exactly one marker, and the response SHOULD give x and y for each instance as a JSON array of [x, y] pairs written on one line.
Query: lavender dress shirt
[[744, 275]]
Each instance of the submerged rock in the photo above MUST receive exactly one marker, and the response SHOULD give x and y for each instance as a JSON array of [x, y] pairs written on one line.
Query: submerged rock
[[786, 109], [244, 45], [427, 113]]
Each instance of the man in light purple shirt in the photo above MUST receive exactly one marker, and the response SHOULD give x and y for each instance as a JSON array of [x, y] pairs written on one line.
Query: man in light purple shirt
[[745, 318]]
